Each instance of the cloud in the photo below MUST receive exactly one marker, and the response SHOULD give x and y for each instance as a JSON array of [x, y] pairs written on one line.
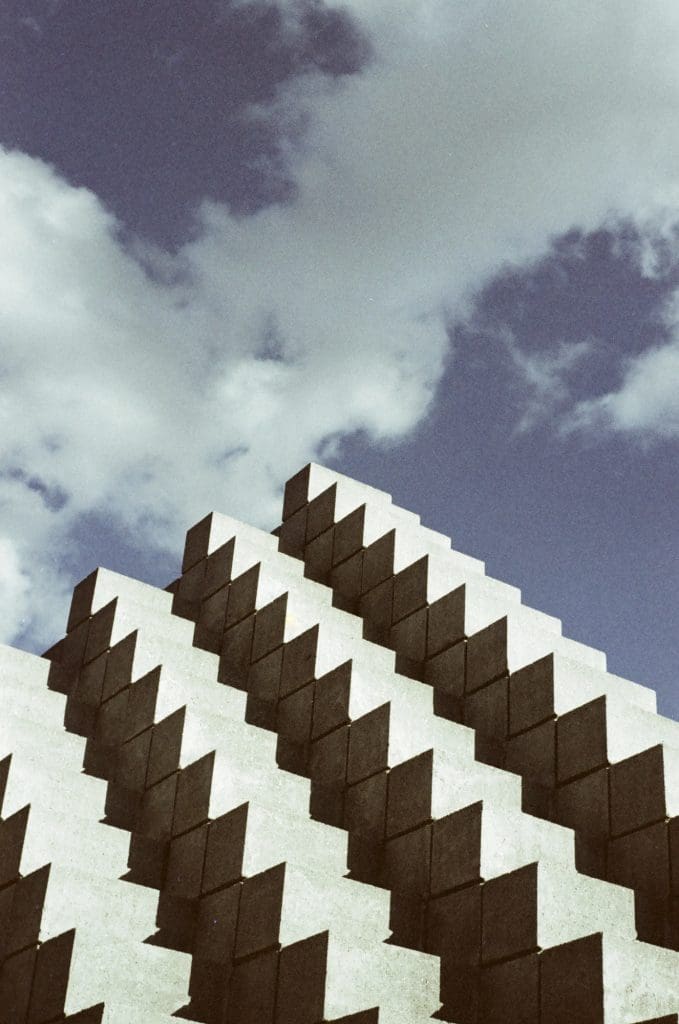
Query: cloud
[[150, 387], [153, 402], [645, 406], [544, 375]]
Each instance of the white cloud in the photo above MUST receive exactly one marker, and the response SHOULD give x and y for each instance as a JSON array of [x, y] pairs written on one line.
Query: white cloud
[[479, 132], [646, 404], [148, 401]]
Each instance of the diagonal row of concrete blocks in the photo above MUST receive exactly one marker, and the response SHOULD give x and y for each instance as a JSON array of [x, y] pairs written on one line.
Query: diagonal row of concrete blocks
[[248, 883], [71, 932], [490, 889], [593, 753]]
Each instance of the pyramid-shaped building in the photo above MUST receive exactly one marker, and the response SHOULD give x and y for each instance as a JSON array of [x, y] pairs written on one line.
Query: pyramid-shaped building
[[331, 774]]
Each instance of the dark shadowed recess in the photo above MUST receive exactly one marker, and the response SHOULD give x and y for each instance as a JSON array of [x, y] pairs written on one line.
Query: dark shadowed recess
[[585, 524], [145, 103]]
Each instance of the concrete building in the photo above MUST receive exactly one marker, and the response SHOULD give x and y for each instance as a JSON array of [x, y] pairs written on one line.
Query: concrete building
[[334, 773]]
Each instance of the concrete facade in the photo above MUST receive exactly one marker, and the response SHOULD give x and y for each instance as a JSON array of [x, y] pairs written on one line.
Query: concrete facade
[[337, 774]]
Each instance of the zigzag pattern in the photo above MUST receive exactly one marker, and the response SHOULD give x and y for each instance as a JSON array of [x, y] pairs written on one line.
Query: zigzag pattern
[[347, 696]]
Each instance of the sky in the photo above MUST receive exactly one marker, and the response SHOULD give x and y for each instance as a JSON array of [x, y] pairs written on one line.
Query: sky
[[434, 245]]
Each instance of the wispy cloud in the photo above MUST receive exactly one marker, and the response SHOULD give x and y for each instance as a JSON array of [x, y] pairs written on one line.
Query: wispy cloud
[[544, 377]]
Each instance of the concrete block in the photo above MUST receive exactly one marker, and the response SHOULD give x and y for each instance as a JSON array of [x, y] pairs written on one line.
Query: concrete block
[[328, 758], [99, 636], [366, 807], [641, 860], [643, 789], [378, 564], [408, 727], [410, 589], [446, 621], [320, 513], [445, 672], [218, 569], [269, 631], [296, 493], [407, 919], [456, 850], [409, 801], [533, 753], [72, 651], [526, 909], [318, 559], [609, 729], [236, 650], [300, 993], [16, 976], [21, 908], [375, 607], [259, 914], [252, 989], [348, 536], [292, 534], [225, 848], [331, 700], [210, 534], [299, 661], [581, 740], [190, 590], [460, 991], [211, 620], [184, 872], [295, 714], [432, 785], [555, 685], [50, 978], [604, 979], [81, 601], [311, 481], [368, 744], [264, 676], [454, 926], [243, 596], [12, 835], [583, 804], [407, 861], [216, 925], [208, 987], [510, 992], [346, 578], [194, 794], [488, 655], [409, 636], [487, 709]]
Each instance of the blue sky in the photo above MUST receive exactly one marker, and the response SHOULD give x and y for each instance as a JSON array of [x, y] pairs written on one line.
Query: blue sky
[[434, 246]]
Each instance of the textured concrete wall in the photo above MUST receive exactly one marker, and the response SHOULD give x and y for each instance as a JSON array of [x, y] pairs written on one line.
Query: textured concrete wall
[[335, 774]]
